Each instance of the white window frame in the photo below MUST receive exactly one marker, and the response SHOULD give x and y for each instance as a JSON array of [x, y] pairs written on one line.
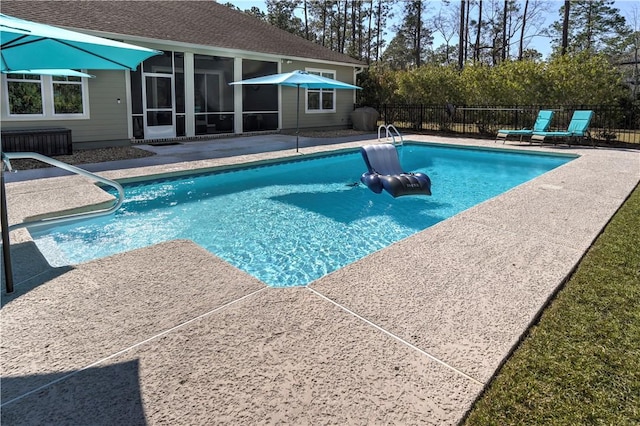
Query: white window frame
[[322, 73], [47, 92]]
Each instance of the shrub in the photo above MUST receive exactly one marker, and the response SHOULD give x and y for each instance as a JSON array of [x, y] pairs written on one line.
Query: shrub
[[578, 79]]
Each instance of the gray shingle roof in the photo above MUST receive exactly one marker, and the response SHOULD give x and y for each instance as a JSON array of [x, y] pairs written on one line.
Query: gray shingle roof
[[197, 22]]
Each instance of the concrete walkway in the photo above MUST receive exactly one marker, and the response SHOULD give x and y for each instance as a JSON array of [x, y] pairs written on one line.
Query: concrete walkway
[[196, 150], [171, 334]]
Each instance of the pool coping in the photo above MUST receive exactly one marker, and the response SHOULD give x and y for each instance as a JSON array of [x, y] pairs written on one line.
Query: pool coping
[[409, 334], [221, 169]]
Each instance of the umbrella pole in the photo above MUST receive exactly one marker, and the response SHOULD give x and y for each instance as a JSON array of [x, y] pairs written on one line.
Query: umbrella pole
[[297, 117], [6, 248]]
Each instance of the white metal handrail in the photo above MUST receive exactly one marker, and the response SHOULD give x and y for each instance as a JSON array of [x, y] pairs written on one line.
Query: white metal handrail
[[73, 169], [389, 134]]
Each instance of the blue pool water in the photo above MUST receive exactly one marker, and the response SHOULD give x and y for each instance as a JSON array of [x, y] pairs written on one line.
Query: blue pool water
[[291, 223]]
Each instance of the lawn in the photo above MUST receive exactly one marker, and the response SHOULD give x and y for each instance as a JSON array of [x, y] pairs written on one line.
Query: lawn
[[580, 364]]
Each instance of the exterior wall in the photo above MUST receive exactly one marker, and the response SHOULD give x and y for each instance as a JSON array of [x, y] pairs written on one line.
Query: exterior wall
[[110, 122], [108, 119], [341, 118]]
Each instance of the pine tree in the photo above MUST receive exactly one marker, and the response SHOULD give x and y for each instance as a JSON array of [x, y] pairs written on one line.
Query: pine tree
[[413, 40], [281, 14], [594, 26]]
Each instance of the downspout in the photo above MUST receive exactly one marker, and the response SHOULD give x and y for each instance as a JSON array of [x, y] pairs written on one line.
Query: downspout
[[356, 71]]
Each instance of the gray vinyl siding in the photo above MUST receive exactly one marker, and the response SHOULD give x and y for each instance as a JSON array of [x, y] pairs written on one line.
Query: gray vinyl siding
[[341, 118], [108, 119]]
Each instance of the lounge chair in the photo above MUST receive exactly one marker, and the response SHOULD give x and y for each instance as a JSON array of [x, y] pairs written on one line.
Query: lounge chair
[[386, 173], [541, 125], [578, 128]]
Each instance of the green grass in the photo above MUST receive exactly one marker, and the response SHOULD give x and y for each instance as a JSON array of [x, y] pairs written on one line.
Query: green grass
[[580, 365]]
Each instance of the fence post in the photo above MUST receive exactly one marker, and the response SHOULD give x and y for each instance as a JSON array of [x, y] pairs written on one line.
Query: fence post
[[464, 119]]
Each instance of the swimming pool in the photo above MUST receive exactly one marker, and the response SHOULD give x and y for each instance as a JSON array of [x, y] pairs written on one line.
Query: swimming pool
[[292, 222]]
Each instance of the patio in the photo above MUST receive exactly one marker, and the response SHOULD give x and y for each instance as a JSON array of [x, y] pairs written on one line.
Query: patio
[[171, 334]]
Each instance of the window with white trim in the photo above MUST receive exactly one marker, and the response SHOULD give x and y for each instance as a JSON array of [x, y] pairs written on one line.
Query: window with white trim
[[33, 97], [67, 95], [24, 92], [321, 100]]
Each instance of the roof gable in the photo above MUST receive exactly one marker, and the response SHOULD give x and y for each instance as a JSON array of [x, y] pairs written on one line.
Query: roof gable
[[204, 23]]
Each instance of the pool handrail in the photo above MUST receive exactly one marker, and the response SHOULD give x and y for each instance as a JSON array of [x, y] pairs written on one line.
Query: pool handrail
[[73, 169], [388, 133]]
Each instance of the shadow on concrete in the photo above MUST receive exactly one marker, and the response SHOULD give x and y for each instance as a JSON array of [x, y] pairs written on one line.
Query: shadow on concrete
[[30, 269], [108, 395]]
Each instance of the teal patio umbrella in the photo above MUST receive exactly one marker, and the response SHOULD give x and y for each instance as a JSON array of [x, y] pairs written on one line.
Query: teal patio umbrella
[[298, 79], [27, 45], [31, 47]]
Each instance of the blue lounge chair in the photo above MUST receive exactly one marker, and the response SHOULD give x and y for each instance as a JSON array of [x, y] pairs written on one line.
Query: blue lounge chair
[[578, 128], [541, 125]]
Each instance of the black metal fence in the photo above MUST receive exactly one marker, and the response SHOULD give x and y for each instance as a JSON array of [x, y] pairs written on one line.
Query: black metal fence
[[610, 125]]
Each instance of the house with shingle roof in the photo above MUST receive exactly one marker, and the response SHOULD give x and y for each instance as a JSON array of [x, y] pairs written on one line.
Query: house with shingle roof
[[185, 92]]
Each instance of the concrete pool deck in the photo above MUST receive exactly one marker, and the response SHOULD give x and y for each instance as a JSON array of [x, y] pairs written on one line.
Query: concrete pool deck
[[171, 334]]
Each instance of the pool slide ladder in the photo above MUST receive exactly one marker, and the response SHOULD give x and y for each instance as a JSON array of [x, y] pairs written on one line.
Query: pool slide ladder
[[7, 156], [391, 132]]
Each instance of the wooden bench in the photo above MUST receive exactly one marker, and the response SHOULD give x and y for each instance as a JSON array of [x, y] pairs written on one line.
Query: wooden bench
[[45, 141]]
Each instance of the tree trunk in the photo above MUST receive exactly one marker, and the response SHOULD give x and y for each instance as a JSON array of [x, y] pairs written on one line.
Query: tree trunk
[[324, 23], [418, 33], [522, 30], [504, 31], [378, 30], [306, 21], [565, 27], [589, 27], [476, 50], [461, 40], [466, 30], [369, 35], [344, 26], [354, 44]]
